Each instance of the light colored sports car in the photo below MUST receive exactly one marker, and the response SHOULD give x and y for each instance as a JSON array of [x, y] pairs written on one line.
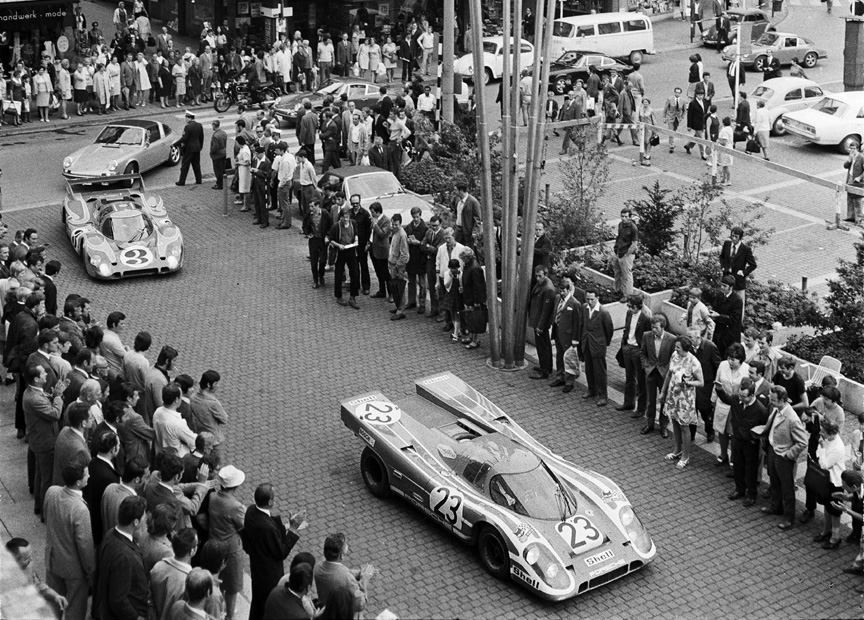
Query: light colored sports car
[[783, 46], [493, 59], [120, 232], [125, 147], [376, 185], [535, 518], [836, 119], [785, 94]]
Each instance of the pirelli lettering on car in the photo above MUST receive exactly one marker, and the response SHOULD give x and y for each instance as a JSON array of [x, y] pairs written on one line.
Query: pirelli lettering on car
[[365, 399], [521, 575], [362, 434], [605, 569], [579, 534], [435, 380], [378, 412], [594, 560]]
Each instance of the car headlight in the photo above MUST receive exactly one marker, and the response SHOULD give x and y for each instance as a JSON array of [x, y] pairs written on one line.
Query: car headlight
[[172, 262], [96, 260], [112, 166], [67, 163], [176, 251], [627, 516], [635, 530], [546, 565], [104, 270], [532, 554]]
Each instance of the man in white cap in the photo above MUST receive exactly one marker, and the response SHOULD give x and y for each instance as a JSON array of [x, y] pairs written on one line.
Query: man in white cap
[[191, 144], [225, 518]]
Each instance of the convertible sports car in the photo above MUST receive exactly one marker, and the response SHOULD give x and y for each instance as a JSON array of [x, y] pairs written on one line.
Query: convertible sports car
[[556, 529], [784, 46], [376, 185], [362, 92], [573, 65], [120, 232], [125, 147]]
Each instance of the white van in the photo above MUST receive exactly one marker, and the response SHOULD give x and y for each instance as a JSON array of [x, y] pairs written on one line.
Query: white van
[[619, 35]]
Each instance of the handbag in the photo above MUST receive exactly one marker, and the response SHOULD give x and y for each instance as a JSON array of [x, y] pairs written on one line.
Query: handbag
[[817, 480], [752, 146], [655, 139], [619, 357]]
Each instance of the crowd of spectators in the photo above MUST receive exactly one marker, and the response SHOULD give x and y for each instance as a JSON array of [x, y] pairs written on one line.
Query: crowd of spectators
[[128, 468]]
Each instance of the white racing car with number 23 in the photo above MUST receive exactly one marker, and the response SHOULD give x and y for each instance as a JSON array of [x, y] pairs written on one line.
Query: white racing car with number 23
[[556, 529]]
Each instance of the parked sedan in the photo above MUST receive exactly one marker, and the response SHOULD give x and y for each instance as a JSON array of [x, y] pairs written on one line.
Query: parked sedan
[[493, 59], [783, 46], [125, 147], [573, 65], [785, 94], [362, 92], [837, 119], [757, 17]]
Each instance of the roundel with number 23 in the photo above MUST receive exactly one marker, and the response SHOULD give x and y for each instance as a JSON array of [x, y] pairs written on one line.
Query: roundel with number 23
[[448, 503]]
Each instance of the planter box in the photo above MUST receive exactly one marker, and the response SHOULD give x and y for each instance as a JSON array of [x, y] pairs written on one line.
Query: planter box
[[673, 315], [654, 301], [851, 391]]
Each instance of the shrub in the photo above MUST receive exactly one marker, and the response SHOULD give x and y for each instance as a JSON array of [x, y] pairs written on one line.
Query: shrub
[[846, 298], [657, 215], [836, 344], [570, 265]]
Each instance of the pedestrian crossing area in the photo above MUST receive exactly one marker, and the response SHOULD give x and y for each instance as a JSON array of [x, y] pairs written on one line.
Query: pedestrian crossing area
[[206, 115]]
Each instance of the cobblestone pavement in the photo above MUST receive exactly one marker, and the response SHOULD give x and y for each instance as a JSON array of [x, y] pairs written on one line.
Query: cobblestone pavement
[[287, 353]]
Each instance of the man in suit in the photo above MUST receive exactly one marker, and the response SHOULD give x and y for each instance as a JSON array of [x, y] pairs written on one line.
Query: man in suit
[[736, 259], [332, 575], [432, 240], [771, 67], [597, 333], [41, 413], [637, 323], [218, 152], [787, 439], [69, 552], [135, 435], [196, 597], [157, 378], [168, 490], [696, 113], [467, 212], [542, 246], [113, 412], [855, 177], [267, 543], [330, 134], [733, 69], [541, 310], [287, 603], [69, 325], [761, 386], [343, 55], [307, 130], [102, 473], [727, 310], [52, 268], [379, 247], [566, 329], [122, 588], [745, 413], [71, 445], [708, 86], [655, 353], [21, 341], [191, 144], [674, 111], [168, 576], [114, 494], [709, 359], [377, 155], [261, 172], [83, 367], [165, 43]]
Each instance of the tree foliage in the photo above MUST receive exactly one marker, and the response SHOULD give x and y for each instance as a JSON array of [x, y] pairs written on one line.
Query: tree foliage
[[657, 213]]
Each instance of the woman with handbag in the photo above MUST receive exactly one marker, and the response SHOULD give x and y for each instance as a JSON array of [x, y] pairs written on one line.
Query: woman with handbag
[[474, 298], [389, 53], [649, 139], [43, 88], [452, 282], [729, 375], [679, 397], [831, 456]]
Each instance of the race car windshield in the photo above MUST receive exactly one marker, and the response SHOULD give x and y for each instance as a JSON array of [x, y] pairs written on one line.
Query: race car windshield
[[533, 493], [126, 227], [121, 135], [374, 185]]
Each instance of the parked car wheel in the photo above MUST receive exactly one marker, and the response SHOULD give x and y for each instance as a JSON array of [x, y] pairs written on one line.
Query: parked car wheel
[[848, 142], [131, 168], [759, 63], [493, 553], [374, 474], [560, 85], [810, 59], [779, 128], [487, 76], [636, 57], [174, 155]]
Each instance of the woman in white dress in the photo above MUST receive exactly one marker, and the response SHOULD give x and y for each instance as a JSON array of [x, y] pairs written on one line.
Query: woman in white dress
[[724, 159], [389, 51], [374, 59], [244, 171], [113, 71], [729, 375], [178, 72], [363, 60], [64, 86], [42, 88], [144, 79]]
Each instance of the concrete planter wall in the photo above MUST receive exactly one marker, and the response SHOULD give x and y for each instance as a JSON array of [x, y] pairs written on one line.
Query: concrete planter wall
[[618, 310]]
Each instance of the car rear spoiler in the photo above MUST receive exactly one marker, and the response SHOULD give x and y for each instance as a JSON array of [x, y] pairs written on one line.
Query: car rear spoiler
[[86, 185]]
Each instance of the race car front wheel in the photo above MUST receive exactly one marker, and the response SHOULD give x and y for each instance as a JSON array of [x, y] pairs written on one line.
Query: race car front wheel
[[374, 474], [493, 553]]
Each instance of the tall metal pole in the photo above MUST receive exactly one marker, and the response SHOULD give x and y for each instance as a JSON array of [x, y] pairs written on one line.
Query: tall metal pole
[[448, 53], [486, 182], [508, 217], [534, 168]]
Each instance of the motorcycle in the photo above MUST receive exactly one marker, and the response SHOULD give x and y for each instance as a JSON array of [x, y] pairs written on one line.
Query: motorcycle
[[241, 94]]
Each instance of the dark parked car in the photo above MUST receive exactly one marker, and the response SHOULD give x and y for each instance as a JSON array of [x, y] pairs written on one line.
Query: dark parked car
[[757, 17], [362, 92], [573, 65]]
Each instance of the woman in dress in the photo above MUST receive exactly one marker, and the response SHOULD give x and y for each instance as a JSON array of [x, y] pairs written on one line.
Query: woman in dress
[[102, 89], [244, 171], [113, 71], [195, 79], [646, 115], [729, 375], [389, 51], [226, 515], [89, 72], [831, 455], [474, 298], [165, 81], [221, 40], [453, 294], [79, 84], [355, 44], [18, 92], [374, 59], [178, 72], [679, 397], [144, 79], [363, 60], [42, 88], [724, 159], [63, 87]]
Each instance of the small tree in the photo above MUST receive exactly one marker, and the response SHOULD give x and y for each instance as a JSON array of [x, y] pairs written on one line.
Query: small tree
[[571, 217], [846, 298], [657, 216]]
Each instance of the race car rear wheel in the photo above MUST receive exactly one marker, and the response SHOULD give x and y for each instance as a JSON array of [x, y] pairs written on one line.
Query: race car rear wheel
[[493, 552], [374, 474]]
